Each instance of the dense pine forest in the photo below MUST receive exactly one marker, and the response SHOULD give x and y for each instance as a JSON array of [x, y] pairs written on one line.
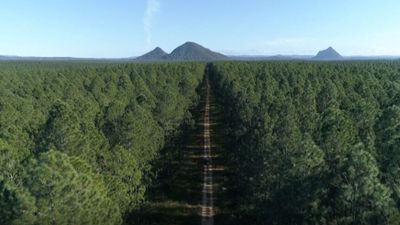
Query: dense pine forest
[[78, 140], [306, 142], [313, 143]]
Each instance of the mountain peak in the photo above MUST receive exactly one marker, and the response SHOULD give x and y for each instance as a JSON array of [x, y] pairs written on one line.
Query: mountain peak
[[158, 49], [191, 43], [191, 51], [328, 54], [154, 55]]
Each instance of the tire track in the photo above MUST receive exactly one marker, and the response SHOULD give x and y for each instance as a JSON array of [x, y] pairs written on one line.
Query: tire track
[[207, 207]]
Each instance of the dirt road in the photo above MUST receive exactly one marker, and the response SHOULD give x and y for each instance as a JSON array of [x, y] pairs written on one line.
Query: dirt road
[[207, 205], [195, 191]]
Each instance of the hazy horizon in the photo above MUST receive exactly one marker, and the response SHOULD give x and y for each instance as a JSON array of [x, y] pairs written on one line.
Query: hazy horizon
[[122, 28]]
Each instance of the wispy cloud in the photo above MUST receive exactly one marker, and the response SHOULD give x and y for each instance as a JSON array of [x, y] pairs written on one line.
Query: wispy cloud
[[152, 7]]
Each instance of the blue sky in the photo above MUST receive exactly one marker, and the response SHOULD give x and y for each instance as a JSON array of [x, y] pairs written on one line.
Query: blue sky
[[123, 28]]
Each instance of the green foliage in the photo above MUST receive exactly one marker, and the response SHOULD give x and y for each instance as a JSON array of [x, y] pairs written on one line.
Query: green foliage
[[78, 139], [62, 129], [313, 143], [388, 145], [17, 206], [68, 192]]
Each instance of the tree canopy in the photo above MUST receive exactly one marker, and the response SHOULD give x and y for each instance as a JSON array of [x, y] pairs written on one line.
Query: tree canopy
[[312, 142], [77, 139]]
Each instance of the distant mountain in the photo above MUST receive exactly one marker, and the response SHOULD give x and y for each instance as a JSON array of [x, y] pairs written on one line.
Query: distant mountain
[[270, 57], [191, 51], [328, 54], [40, 58], [155, 55], [34, 58]]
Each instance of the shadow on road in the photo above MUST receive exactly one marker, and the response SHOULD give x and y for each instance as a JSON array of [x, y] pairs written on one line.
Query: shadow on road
[[177, 197]]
